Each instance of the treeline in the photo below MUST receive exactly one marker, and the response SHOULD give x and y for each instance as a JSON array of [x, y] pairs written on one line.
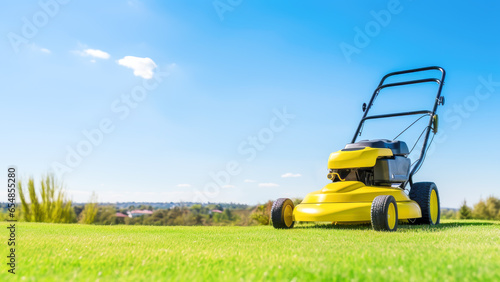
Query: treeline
[[197, 214], [484, 209], [169, 205], [50, 203]]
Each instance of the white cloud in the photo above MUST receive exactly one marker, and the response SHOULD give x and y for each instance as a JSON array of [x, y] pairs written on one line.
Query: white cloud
[[184, 185], [289, 174], [249, 181], [37, 48], [268, 185], [228, 186], [142, 67], [95, 53]]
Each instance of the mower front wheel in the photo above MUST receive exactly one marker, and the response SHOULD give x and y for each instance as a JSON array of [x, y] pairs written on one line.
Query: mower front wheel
[[282, 213], [384, 213]]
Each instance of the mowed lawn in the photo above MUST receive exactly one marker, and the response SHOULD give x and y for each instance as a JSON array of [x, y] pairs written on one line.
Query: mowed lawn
[[454, 251]]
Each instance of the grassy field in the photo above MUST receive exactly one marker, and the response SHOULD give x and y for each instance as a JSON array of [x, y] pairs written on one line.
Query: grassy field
[[454, 251]]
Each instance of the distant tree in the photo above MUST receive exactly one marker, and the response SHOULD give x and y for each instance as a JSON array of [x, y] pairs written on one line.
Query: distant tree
[[464, 212], [89, 212], [196, 208], [480, 211], [124, 211], [78, 210], [493, 205], [227, 215], [196, 219], [216, 217], [489, 209], [106, 215], [177, 216]]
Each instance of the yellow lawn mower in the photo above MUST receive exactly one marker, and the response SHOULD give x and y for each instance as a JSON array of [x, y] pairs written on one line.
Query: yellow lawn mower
[[369, 177]]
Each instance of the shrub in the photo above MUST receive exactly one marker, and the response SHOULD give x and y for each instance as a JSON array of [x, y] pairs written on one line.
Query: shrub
[[262, 213], [52, 205], [90, 211], [449, 214]]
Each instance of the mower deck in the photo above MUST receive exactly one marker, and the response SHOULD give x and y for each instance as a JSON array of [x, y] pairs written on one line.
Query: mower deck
[[350, 201]]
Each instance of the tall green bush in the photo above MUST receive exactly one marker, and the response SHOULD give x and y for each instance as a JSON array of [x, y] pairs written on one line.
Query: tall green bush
[[49, 205]]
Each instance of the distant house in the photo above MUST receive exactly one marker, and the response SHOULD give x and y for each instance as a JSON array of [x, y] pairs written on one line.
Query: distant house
[[136, 213], [217, 211], [119, 214]]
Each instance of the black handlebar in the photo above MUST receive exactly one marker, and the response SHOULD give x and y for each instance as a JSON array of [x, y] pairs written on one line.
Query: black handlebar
[[431, 114]]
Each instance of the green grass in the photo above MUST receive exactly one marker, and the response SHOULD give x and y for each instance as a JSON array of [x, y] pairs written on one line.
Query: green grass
[[454, 251]]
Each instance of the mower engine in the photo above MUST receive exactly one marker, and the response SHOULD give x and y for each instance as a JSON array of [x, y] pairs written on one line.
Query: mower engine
[[387, 170]]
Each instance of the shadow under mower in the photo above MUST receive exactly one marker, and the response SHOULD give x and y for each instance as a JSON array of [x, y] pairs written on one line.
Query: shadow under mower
[[369, 177]]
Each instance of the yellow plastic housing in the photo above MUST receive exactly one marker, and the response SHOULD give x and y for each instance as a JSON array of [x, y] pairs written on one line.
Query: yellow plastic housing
[[352, 192], [350, 201], [366, 157]]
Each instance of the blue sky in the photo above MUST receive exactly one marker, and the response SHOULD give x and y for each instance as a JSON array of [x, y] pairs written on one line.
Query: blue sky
[[223, 73]]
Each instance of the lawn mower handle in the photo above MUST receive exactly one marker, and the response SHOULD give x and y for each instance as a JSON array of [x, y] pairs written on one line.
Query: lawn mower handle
[[431, 114]]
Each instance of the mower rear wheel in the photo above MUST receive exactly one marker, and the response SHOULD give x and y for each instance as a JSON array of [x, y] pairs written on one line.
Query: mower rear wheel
[[384, 213], [427, 197], [282, 213]]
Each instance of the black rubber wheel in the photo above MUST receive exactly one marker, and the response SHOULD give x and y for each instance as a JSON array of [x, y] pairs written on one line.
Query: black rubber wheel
[[427, 197], [282, 213], [384, 213]]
